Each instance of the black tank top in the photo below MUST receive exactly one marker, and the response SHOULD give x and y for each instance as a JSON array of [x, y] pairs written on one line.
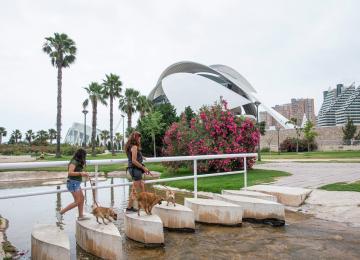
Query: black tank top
[[129, 156]]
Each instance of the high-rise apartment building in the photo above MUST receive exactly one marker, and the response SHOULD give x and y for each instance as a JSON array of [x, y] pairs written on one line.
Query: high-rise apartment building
[[339, 104], [296, 109]]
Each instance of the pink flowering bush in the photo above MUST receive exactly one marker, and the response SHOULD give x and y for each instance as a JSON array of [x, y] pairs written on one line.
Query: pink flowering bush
[[215, 130]]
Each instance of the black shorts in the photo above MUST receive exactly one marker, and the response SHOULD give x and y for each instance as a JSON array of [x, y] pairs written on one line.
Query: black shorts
[[136, 173]]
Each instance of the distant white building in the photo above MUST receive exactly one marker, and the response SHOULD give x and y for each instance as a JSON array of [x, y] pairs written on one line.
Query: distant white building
[[75, 134], [340, 104]]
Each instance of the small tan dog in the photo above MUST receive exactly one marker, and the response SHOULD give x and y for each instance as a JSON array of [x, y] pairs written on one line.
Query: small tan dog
[[170, 197], [102, 212], [147, 201]]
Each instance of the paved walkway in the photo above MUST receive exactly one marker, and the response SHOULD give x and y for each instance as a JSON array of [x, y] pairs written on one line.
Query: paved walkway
[[314, 175]]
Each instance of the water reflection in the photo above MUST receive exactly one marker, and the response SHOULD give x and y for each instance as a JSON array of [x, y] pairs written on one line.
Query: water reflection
[[303, 237]]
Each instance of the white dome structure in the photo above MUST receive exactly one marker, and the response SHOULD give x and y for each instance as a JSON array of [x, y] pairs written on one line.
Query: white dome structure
[[224, 76]]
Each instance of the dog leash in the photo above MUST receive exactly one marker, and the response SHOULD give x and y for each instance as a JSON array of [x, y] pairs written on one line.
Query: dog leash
[[93, 191]]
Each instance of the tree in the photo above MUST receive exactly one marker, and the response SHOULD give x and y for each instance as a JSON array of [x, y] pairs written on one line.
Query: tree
[[261, 126], [349, 131], [189, 114], [52, 134], [112, 88], [143, 106], [118, 140], [153, 125], [16, 136], [3, 133], [104, 135], [168, 113], [62, 52], [128, 103], [29, 136], [298, 131], [96, 94], [309, 133], [42, 136]]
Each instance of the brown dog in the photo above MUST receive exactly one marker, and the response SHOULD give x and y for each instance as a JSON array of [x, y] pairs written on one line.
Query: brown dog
[[102, 212], [147, 201], [170, 197]]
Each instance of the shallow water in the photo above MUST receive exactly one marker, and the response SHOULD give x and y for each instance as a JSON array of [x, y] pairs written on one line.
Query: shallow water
[[302, 237]]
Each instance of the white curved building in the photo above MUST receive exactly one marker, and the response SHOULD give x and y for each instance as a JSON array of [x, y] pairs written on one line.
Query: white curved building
[[225, 77], [75, 134]]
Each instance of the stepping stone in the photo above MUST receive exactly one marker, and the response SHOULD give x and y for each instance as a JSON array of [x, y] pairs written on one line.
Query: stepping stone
[[49, 242], [289, 196], [147, 229], [178, 217], [251, 194], [256, 209], [101, 240], [215, 211]]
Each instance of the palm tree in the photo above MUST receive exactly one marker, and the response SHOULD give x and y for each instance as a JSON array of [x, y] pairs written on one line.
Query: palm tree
[[112, 88], [42, 136], [3, 133], [128, 103], [118, 139], [143, 106], [95, 92], [16, 135], [62, 51], [29, 136], [104, 135], [52, 134]]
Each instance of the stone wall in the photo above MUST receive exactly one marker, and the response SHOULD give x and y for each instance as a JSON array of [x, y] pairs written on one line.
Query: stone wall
[[329, 138]]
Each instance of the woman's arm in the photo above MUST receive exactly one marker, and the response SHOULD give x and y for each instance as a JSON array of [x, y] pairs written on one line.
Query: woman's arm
[[134, 151], [72, 172]]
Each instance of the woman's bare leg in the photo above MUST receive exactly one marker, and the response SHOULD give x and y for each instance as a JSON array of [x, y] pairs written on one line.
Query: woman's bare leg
[[71, 205], [80, 203]]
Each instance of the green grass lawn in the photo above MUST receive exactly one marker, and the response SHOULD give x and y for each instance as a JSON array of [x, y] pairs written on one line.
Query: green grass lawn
[[313, 155], [342, 186], [218, 183]]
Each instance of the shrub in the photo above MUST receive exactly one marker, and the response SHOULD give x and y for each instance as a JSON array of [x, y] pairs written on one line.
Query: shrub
[[265, 150], [214, 130], [19, 149], [289, 145]]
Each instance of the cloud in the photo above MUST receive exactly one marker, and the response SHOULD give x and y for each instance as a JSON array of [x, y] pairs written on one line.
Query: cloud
[[284, 48]]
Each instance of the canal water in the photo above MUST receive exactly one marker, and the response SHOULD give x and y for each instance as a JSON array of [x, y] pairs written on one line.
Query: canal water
[[303, 237]]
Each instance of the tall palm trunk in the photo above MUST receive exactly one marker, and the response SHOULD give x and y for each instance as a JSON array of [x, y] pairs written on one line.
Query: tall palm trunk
[[58, 116], [111, 125], [129, 115], [93, 134], [0, 138]]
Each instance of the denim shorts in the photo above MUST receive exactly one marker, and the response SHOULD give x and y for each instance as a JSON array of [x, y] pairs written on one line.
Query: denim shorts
[[73, 185], [135, 173]]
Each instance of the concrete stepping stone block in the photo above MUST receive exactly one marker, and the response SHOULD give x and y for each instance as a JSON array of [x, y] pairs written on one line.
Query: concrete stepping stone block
[[147, 229], [251, 194], [289, 196], [98, 239], [215, 211], [256, 209], [49, 242], [176, 217]]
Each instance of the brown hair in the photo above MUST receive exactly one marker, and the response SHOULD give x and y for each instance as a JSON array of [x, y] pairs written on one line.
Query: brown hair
[[133, 140]]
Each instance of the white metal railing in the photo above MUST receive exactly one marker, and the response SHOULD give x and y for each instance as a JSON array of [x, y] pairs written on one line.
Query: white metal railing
[[96, 163]]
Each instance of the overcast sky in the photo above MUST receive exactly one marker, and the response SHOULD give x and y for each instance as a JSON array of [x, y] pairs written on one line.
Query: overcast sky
[[284, 49]]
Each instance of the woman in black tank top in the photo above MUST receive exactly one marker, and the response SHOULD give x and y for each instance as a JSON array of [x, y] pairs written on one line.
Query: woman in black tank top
[[135, 166]]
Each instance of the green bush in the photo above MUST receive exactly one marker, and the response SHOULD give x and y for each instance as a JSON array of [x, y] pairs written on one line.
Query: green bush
[[36, 150], [265, 150]]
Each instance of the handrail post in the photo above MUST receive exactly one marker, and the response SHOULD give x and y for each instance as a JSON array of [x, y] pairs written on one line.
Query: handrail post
[[96, 181], [245, 174], [195, 179]]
